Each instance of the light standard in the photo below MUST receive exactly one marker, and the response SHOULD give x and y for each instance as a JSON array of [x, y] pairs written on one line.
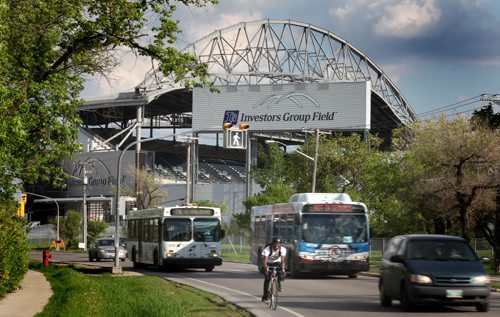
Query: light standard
[[315, 160], [116, 267], [57, 204]]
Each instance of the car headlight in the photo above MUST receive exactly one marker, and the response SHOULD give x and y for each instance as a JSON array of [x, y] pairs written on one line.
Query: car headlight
[[420, 279], [102, 250], [481, 280]]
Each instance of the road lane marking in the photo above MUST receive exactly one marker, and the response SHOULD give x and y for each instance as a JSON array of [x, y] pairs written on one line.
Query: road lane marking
[[242, 293]]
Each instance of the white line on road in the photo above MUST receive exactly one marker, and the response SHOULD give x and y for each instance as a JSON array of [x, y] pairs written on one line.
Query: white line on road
[[243, 293]]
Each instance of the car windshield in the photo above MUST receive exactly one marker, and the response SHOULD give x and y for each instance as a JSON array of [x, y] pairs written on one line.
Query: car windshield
[[105, 242], [440, 250]]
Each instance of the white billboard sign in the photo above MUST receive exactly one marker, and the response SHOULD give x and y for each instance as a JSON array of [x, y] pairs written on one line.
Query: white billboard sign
[[328, 106]]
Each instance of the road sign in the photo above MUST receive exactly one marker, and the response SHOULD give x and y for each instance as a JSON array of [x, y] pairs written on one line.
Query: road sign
[[235, 139]]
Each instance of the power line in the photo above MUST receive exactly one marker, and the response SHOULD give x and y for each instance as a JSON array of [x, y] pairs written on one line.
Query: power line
[[452, 106]]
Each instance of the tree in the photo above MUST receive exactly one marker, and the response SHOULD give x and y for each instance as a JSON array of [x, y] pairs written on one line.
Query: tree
[[491, 225], [460, 160], [95, 229], [46, 50], [150, 194], [69, 228]]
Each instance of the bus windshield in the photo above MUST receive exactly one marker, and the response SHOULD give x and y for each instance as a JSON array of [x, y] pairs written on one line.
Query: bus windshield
[[334, 228], [208, 230], [177, 229]]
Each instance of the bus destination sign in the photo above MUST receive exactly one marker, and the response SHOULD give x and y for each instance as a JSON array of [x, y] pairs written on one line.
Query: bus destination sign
[[332, 208], [191, 212]]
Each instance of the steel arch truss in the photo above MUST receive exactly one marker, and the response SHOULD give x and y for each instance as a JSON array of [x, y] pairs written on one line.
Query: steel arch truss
[[284, 51]]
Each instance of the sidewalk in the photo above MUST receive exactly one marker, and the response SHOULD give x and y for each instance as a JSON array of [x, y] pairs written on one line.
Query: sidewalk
[[30, 299]]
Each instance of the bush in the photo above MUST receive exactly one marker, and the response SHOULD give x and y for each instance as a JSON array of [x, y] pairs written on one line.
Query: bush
[[13, 251]]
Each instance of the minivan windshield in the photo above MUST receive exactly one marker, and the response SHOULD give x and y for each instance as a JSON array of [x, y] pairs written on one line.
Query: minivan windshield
[[440, 250]]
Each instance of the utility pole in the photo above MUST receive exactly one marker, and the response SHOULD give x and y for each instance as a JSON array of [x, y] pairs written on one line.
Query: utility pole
[[493, 98], [84, 186]]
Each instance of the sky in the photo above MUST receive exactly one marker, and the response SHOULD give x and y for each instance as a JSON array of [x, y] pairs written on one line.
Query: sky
[[441, 54]]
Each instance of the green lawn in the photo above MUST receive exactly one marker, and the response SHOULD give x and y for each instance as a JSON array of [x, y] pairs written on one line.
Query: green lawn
[[101, 295]]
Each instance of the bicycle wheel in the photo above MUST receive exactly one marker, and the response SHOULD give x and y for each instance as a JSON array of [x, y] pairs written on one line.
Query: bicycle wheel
[[274, 294]]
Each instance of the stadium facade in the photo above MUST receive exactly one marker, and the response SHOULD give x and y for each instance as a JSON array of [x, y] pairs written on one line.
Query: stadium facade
[[282, 78]]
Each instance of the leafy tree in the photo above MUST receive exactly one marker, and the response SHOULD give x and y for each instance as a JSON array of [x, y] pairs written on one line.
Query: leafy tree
[[95, 229], [224, 207], [46, 50], [150, 192], [487, 116], [69, 228], [460, 159], [490, 227], [272, 194]]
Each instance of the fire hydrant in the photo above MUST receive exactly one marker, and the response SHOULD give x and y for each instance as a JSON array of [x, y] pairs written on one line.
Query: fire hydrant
[[46, 257]]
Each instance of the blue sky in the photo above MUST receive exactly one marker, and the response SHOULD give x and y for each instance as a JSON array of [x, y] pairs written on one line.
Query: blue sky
[[442, 54]]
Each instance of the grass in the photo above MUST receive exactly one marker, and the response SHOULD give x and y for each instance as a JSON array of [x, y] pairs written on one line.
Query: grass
[[101, 295]]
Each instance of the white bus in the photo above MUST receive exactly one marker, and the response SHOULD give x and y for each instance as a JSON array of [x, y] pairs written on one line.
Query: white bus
[[184, 236], [324, 233]]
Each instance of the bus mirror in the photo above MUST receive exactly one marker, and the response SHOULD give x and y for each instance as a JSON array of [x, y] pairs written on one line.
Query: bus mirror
[[222, 233]]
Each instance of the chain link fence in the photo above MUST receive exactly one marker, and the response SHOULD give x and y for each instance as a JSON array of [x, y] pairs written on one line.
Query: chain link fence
[[239, 246]]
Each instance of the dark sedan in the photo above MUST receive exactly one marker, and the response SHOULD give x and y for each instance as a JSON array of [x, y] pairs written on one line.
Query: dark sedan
[[428, 269]]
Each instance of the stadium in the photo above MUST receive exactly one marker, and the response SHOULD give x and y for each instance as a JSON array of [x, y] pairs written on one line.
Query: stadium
[[282, 79]]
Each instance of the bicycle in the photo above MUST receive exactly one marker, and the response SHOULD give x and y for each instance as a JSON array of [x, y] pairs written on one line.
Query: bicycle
[[274, 284]]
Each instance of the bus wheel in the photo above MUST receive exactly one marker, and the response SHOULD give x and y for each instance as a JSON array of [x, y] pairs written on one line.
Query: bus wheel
[[209, 268], [353, 275]]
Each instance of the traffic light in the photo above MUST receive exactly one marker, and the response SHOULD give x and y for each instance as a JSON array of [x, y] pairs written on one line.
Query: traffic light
[[227, 125], [244, 126], [22, 202]]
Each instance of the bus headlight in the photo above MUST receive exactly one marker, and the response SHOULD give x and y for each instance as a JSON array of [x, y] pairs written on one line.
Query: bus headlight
[[214, 254], [358, 256]]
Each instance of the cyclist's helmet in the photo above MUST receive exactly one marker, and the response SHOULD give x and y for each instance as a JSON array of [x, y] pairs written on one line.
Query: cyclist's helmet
[[276, 240]]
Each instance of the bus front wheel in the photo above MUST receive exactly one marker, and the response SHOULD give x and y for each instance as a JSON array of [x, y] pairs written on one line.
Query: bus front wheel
[[209, 268]]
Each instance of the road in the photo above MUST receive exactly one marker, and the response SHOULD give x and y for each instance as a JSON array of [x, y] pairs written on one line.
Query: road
[[242, 284]]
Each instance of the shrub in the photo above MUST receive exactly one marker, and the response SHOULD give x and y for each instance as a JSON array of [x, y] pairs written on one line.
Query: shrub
[[13, 251]]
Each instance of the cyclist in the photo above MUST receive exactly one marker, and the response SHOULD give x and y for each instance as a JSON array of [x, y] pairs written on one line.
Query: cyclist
[[273, 255]]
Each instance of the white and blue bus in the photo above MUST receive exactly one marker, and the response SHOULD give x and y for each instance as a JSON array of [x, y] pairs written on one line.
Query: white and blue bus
[[184, 236], [324, 233]]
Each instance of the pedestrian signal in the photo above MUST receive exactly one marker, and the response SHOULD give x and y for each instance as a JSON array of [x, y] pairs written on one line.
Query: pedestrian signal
[[235, 139]]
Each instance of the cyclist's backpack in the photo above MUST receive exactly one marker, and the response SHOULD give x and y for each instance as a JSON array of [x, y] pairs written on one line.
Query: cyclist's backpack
[[270, 249]]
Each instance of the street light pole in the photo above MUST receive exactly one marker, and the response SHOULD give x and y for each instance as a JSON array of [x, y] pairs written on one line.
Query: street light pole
[[57, 205], [84, 203], [315, 168], [315, 160], [117, 268]]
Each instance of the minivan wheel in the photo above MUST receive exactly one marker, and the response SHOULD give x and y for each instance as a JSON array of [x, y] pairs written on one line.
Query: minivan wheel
[[405, 300], [385, 300], [482, 307]]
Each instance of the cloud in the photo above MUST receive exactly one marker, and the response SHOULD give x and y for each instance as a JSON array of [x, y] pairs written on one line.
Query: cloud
[[408, 19]]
